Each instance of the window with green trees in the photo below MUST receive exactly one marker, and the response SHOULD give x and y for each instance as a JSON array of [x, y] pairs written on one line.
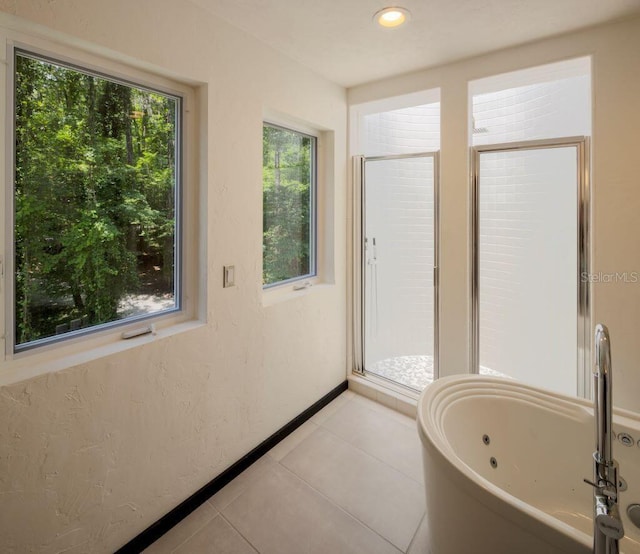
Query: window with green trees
[[288, 188], [95, 201]]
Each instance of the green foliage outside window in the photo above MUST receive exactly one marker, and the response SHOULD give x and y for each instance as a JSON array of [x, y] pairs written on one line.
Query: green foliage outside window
[[95, 178], [288, 181]]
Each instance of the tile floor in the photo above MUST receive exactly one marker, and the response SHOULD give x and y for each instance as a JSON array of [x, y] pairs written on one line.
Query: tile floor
[[348, 481]]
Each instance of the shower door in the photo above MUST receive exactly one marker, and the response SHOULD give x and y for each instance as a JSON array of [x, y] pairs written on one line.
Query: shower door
[[398, 268], [530, 263]]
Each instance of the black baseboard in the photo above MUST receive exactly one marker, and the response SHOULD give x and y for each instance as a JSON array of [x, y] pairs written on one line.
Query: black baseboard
[[175, 516]]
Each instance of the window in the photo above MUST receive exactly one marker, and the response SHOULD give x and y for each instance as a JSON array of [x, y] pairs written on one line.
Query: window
[[96, 201], [289, 189]]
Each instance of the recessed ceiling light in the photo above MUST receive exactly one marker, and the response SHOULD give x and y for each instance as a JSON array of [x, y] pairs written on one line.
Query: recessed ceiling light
[[391, 17]]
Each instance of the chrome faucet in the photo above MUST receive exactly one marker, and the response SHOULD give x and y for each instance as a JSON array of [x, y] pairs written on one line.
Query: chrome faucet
[[607, 525]]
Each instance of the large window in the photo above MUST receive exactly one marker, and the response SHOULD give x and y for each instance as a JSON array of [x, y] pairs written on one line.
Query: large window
[[288, 185], [95, 208]]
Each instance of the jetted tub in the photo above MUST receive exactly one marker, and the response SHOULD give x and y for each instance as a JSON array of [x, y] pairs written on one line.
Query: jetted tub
[[504, 465]]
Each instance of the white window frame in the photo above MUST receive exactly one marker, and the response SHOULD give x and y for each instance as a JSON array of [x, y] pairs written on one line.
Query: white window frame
[[141, 319], [98, 341], [313, 208]]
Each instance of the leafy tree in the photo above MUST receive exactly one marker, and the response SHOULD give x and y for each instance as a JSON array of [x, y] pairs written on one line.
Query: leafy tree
[[94, 197], [287, 182]]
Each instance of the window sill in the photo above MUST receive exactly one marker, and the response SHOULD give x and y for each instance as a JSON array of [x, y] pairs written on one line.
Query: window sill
[[34, 363], [278, 294]]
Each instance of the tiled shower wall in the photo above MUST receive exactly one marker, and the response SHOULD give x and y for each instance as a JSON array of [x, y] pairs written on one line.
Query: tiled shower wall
[[560, 108], [403, 131]]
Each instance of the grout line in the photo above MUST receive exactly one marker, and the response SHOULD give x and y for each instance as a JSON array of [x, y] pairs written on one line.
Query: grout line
[[313, 423], [415, 534], [196, 531], [364, 451], [211, 504], [239, 533], [373, 456], [313, 489], [193, 534], [320, 493]]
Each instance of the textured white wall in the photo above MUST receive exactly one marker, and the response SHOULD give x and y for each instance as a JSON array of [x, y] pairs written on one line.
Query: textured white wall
[[92, 454], [615, 49]]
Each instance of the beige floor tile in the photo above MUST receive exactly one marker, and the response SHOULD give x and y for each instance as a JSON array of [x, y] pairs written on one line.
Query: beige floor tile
[[380, 496], [280, 514], [294, 439], [358, 454], [386, 438], [420, 544], [216, 537], [184, 530], [228, 494]]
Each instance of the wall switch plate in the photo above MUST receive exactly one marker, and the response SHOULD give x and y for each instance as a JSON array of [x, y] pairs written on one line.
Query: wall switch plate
[[229, 276]]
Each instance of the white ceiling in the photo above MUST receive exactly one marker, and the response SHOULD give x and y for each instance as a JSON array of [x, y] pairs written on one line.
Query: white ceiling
[[338, 39]]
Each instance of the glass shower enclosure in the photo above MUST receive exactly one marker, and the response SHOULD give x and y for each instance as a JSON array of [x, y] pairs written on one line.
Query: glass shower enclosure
[[530, 207], [397, 268]]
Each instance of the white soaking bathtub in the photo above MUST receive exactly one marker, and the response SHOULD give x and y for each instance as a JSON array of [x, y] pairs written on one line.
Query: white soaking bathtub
[[523, 492]]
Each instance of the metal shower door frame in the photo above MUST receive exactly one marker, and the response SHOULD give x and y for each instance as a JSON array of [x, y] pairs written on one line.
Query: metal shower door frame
[[582, 146], [359, 261]]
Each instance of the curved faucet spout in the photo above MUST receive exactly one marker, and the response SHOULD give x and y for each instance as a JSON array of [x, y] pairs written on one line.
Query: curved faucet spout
[[607, 528], [602, 394]]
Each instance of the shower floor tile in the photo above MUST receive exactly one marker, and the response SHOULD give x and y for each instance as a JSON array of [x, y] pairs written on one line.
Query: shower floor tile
[[415, 372]]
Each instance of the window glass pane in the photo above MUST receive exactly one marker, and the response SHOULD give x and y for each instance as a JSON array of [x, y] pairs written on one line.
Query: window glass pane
[[288, 177], [528, 266], [95, 200], [399, 251]]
